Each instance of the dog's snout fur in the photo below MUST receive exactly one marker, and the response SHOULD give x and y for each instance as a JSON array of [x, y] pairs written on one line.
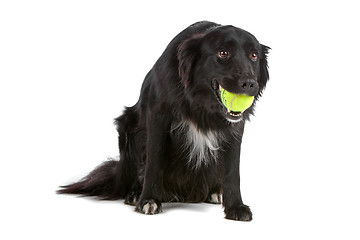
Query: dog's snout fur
[[241, 84]]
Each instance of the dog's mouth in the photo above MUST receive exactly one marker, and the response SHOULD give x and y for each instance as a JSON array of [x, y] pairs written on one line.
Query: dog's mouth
[[230, 115]]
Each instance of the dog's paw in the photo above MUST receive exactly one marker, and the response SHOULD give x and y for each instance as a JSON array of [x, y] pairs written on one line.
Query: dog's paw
[[239, 213], [131, 198], [215, 198], [149, 207]]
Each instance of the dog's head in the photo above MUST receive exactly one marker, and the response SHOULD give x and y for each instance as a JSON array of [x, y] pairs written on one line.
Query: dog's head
[[223, 57]]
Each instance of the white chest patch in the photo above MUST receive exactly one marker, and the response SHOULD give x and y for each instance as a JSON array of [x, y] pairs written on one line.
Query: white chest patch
[[202, 147]]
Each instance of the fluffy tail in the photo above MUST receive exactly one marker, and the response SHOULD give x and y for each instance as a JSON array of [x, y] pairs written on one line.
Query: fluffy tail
[[114, 179], [100, 182]]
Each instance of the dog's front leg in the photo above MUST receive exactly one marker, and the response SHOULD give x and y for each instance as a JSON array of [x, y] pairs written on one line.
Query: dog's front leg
[[157, 133], [235, 209]]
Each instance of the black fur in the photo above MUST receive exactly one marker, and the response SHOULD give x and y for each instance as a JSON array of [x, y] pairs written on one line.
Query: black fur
[[178, 142]]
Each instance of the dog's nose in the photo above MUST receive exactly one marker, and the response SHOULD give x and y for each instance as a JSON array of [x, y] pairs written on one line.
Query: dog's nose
[[249, 86]]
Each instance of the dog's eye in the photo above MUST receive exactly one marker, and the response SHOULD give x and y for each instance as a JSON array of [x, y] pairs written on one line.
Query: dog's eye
[[254, 56], [223, 54]]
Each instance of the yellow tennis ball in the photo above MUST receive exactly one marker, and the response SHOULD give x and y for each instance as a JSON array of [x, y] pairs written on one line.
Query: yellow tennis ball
[[236, 102]]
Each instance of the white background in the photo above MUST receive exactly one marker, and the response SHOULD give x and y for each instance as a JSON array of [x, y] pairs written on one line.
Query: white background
[[67, 68]]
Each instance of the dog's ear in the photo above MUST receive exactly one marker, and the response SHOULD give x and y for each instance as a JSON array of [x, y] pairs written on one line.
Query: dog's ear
[[187, 55], [264, 73]]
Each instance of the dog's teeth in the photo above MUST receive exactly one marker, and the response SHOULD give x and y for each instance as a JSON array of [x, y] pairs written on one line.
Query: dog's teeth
[[234, 114], [228, 110], [220, 88]]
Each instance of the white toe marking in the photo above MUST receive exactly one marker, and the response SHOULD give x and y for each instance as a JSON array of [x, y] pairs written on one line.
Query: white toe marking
[[216, 198], [146, 208], [153, 208], [150, 208]]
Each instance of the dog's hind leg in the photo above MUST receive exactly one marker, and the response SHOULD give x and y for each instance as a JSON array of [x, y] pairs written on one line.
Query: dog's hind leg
[[131, 144]]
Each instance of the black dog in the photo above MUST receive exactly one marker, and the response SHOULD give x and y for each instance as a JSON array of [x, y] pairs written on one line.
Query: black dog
[[179, 142]]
